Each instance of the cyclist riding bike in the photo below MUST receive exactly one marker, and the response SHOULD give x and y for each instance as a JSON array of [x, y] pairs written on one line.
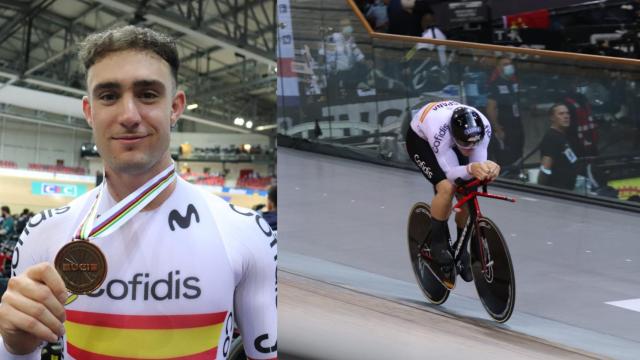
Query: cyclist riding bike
[[447, 141]]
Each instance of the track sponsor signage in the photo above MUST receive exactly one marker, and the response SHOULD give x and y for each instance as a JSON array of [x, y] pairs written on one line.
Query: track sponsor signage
[[57, 189]]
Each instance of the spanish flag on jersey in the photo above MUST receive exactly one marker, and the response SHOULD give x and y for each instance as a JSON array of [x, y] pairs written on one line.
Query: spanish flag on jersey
[[97, 336]]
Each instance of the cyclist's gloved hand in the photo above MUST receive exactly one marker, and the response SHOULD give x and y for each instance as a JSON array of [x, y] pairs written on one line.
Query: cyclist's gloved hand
[[486, 170]]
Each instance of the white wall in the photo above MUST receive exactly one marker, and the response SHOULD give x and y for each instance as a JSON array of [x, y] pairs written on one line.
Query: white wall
[[26, 143]]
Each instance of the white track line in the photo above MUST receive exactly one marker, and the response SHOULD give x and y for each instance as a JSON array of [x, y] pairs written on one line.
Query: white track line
[[631, 304]]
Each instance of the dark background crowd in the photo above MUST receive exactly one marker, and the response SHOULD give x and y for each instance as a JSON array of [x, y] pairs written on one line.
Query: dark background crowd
[[599, 141], [11, 226]]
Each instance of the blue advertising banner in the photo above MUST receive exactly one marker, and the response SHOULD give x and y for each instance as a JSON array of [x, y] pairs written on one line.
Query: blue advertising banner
[[57, 189]]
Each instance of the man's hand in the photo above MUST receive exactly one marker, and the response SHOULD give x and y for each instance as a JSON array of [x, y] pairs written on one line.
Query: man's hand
[[486, 170], [32, 309]]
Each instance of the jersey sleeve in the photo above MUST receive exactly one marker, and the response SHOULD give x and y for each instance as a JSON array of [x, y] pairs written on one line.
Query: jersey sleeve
[[449, 163], [256, 293]]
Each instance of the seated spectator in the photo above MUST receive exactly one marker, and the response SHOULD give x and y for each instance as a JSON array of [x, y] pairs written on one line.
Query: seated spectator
[[271, 215], [7, 227], [558, 168]]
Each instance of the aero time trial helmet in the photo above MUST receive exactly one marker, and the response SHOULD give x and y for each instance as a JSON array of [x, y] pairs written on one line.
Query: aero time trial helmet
[[467, 127]]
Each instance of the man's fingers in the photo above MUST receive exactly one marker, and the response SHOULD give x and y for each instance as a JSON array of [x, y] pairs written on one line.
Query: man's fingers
[[40, 294], [47, 274], [32, 318]]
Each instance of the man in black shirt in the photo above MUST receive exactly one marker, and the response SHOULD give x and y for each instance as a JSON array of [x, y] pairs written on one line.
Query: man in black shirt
[[558, 168], [404, 17], [503, 110]]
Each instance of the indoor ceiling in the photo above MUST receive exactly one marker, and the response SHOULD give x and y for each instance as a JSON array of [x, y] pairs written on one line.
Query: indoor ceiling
[[227, 51]]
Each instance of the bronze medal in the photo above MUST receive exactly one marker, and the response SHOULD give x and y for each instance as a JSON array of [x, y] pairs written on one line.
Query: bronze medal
[[82, 266]]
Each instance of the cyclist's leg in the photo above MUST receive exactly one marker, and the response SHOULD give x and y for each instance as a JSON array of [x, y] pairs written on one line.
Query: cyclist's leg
[[422, 155], [440, 211], [461, 219]]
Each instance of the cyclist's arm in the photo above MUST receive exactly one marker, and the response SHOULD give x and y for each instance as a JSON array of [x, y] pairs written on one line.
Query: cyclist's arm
[[448, 162], [256, 293]]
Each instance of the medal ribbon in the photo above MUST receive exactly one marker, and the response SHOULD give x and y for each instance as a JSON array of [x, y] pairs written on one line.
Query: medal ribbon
[[119, 214]]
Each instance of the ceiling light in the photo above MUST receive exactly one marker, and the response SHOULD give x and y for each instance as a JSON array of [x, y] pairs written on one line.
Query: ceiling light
[[192, 106], [265, 127], [249, 124], [238, 121]]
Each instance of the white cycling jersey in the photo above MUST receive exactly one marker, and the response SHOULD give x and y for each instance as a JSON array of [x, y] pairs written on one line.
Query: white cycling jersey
[[178, 278], [431, 123]]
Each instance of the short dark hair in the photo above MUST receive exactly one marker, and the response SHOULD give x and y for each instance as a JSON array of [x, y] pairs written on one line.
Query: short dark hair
[[6, 209], [100, 44], [273, 195], [553, 107]]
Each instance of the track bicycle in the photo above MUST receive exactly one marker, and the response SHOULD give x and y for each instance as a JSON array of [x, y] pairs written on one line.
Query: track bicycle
[[491, 263]]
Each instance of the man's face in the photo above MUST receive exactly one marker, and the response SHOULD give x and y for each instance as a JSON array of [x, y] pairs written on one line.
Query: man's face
[[131, 107], [560, 117]]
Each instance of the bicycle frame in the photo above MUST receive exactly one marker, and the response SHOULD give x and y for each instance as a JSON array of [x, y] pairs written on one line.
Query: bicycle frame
[[474, 213]]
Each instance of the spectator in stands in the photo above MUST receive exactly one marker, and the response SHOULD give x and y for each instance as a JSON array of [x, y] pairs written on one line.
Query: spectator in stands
[[22, 221], [558, 164], [271, 215], [376, 14], [344, 60], [503, 110], [476, 80], [430, 31], [582, 132], [7, 227], [405, 15]]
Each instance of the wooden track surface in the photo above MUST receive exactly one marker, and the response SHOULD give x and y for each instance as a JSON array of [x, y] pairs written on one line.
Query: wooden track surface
[[317, 320]]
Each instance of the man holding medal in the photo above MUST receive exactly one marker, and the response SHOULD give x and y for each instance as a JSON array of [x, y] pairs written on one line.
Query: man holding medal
[[145, 265]]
